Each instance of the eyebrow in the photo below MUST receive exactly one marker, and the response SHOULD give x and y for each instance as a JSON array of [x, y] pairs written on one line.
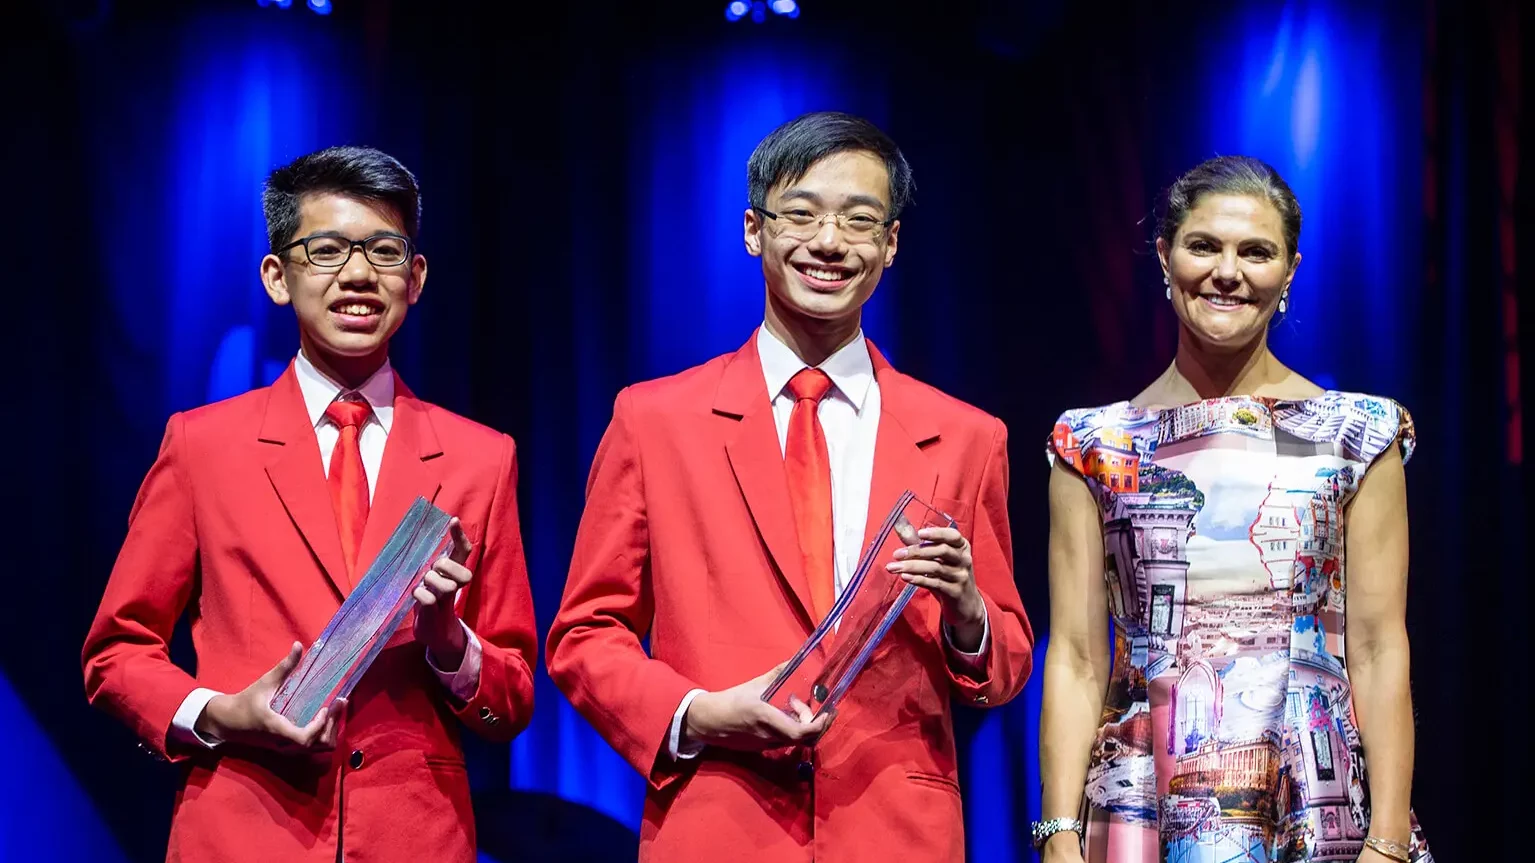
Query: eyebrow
[[801, 194], [339, 235], [867, 201], [1262, 241], [852, 200]]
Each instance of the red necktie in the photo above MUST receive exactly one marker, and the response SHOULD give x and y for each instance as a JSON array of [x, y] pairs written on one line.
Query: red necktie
[[348, 480], [809, 470]]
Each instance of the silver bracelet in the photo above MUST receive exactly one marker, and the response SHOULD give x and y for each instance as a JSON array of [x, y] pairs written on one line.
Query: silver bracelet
[[1043, 830]]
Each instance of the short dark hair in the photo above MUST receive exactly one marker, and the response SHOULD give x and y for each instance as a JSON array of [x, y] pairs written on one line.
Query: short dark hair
[[1230, 175], [356, 172], [787, 153]]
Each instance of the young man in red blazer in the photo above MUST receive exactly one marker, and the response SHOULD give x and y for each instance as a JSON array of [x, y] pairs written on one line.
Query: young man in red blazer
[[726, 507], [259, 516]]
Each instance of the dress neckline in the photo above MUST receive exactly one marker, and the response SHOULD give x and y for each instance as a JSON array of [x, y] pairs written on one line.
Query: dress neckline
[[1268, 402]]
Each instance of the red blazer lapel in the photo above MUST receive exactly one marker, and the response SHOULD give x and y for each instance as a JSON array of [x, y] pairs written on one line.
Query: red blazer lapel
[[298, 476], [405, 474], [899, 463], [757, 462]]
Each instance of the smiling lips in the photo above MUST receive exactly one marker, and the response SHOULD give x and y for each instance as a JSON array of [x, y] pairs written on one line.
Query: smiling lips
[[823, 278], [356, 313], [1225, 302]]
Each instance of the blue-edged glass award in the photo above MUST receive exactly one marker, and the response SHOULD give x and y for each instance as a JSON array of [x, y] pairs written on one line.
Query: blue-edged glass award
[[369, 616], [869, 605]]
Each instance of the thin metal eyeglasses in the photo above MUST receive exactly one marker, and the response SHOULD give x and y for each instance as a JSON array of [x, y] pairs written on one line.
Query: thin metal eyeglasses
[[330, 252], [802, 224]]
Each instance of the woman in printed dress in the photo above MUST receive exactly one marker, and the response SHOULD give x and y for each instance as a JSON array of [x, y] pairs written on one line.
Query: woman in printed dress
[[1209, 520]]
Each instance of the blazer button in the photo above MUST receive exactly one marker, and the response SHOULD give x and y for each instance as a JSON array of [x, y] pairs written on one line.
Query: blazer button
[[356, 759], [806, 771], [981, 699], [488, 717]]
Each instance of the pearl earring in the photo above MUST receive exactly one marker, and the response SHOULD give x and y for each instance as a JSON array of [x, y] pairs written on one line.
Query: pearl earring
[[1169, 286], [1284, 302]]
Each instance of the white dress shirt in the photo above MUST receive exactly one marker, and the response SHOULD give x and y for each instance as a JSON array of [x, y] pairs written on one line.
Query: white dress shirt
[[319, 391], [849, 416]]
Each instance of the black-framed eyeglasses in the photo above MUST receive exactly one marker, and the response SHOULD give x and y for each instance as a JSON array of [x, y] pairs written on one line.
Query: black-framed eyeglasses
[[802, 224], [330, 252]]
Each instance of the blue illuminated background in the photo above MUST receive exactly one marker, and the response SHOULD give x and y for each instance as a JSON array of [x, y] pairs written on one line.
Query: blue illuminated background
[[583, 192]]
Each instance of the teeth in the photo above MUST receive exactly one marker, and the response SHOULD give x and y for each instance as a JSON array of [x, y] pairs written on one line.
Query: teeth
[[1226, 301], [359, 309], [824, 275]]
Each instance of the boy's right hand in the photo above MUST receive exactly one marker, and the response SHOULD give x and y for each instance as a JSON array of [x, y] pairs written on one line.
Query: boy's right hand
[[738, 718], [247, 716]]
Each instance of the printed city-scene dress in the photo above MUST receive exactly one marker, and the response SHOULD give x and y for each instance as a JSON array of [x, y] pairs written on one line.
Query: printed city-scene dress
[[1228, 731]]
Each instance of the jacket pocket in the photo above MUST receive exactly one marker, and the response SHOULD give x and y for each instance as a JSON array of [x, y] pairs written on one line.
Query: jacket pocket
[[443, 764], [934, 780]]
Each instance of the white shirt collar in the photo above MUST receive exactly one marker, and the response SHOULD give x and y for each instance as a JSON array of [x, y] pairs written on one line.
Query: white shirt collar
[[319, 391], [851, 370]]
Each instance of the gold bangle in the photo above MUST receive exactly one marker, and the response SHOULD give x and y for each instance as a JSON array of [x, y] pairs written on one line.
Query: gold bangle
[[1385, 847]]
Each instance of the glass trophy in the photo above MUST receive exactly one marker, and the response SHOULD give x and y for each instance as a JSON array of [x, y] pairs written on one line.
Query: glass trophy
[[872, 600], [369, 616]]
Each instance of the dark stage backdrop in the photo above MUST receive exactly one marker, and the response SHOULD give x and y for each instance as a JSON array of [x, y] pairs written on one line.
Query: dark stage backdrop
[[583, 171]]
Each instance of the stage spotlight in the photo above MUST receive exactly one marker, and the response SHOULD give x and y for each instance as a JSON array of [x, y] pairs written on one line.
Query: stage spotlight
[[282, 4], [758, 10], [320, 7]]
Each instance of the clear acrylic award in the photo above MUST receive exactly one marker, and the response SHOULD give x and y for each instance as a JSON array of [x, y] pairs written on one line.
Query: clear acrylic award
[[369, 616], [869, 605]]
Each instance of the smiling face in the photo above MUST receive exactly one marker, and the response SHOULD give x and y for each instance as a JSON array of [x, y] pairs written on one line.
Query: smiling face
[[346, 313], [828, 275], [1228, 267]]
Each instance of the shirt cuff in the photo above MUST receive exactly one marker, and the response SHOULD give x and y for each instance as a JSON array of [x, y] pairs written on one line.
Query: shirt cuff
[[463, 682], [674, 745], [974, 663], [184, 723]]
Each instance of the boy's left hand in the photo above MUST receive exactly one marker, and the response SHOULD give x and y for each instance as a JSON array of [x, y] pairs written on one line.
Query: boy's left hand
[[941, 564], [437, 625]]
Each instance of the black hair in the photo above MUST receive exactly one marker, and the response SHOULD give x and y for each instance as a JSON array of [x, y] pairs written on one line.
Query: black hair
[[356, 172], [789, 151], [1230, 175]]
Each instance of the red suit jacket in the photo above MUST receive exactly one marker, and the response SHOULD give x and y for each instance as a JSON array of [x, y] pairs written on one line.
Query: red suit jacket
[[688, 538], [234, 524]]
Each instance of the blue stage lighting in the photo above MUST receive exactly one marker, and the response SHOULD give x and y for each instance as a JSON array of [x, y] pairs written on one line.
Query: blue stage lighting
[[283, 4], [758, 9], [320, 7]]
